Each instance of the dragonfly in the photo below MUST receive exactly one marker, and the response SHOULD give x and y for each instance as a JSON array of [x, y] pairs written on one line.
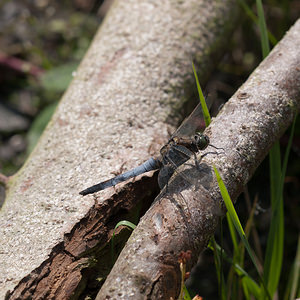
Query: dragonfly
[[184, 144]]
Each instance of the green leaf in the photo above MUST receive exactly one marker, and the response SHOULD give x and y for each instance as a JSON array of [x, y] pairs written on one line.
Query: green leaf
[[186, 294], [57, 79], [38, 126]]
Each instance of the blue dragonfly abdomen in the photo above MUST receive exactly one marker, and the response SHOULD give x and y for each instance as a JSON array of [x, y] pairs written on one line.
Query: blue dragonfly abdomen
[[149, 165]]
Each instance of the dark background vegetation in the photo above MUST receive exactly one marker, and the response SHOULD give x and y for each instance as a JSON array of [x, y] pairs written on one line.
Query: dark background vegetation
[[42, 43]]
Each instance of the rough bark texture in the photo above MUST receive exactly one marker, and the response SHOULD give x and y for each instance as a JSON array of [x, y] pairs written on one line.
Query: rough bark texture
[[118, 107], [185, 215]]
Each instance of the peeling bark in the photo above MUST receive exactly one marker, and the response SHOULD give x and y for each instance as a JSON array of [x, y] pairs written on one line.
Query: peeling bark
[[246, 128], [124, 96]]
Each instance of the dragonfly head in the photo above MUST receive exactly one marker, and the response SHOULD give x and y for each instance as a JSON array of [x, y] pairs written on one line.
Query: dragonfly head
[[201, 140]]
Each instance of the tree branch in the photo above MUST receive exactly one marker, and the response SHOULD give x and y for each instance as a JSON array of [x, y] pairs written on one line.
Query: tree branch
[[248, 125]]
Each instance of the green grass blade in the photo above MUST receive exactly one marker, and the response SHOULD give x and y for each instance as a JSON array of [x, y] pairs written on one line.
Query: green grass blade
[[254, 18], [263, 29], [218, 255], [237, 225], [251, 285], [222, 290], [229, 205], [121, 223], [206, 114], [294, 280], [275, 171], [232, 234], [238, 259], [287, 152], [125, 223], [233, 281], [274, 252]]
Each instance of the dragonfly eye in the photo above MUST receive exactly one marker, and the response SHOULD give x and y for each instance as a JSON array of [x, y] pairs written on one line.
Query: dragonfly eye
[[201, 140]]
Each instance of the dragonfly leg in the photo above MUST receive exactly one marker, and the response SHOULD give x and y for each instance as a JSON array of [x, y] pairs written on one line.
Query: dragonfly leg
[[216, 147], [209, 153], [167, 186], [197, 163]]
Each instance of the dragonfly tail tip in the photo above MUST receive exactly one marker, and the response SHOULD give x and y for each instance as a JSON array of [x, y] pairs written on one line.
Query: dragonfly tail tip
[[84, 192]]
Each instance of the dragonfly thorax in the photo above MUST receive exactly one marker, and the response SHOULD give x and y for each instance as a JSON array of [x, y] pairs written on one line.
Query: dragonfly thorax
[[201, 140]]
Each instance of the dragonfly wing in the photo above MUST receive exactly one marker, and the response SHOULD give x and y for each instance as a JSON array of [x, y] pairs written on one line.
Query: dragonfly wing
[[165, 174], [176, 156], [194, 122]]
